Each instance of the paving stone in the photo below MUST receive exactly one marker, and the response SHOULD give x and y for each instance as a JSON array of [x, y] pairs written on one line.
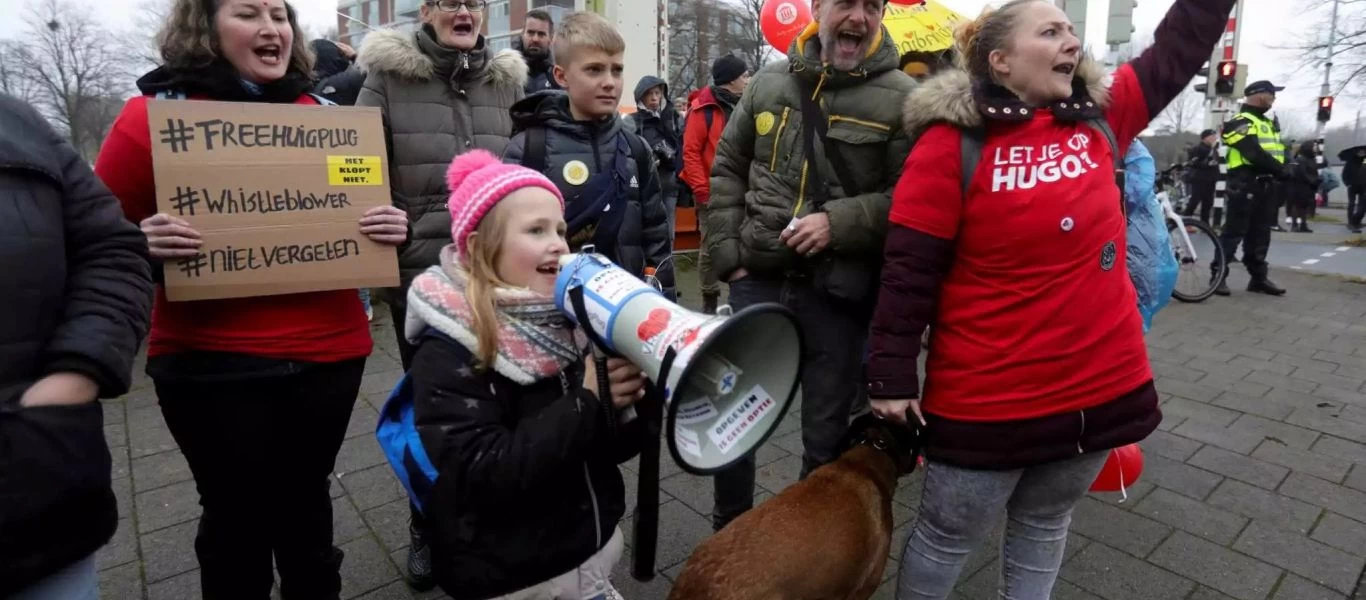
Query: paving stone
[[693, 491], [1179, 477], [185, 586], [1114, 575], [1357, 480], [1189, 515], [1290, 435], [1216, 566], [1304, 461], [167, 506], [1294, 587], [790, 442], [1341, 533], [1190, 391], [115, 434], [1302, 362], [160, 470], [1242, 442], [399, 590], [363, 419], [359, 453], [381, 382], [123, 495], [1353, 396], [1341, 448], [1265, 406], [147, 432], [390, 523], [632, 589], [170, 551], [777, 476], [372, 487], [121, 549], [680, 531], [1323, 420], [1259, 504], [1199, 411], [347, 524], [1204, 593], [1237, 466], [121, 582], [119, 464], [1281, 381], [1253, 364], [1316, 562], [113, 412], [365, 568], [1344, 501], [400, 558], [1217, 368], [1237, 386], [1169, 372], [1121, 529], [1328, 379]]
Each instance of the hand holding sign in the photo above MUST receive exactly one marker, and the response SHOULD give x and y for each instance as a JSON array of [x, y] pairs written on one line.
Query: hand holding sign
[[169, 237], [385, 225]]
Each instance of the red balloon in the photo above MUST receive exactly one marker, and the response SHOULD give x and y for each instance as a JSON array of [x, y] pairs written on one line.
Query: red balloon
[[782, 20], [907, 2], [1121, 469]]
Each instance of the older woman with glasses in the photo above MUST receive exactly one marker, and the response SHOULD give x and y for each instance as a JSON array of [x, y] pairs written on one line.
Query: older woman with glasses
[[443, 93]]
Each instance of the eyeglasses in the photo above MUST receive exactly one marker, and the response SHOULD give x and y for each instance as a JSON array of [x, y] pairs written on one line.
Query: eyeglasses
[[450, 6]]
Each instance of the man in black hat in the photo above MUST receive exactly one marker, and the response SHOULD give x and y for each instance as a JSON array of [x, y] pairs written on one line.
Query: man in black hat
[[1354, 177], [1256, 159], [1203, 163]]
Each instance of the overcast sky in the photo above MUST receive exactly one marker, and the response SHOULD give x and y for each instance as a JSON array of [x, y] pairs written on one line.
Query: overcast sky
[[1265, 24]]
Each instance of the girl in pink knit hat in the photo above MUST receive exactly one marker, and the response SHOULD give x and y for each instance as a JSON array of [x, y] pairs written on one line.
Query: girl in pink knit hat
[[526, 446]]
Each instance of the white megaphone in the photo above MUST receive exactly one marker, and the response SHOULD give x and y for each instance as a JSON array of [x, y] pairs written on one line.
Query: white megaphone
[[727, 379]]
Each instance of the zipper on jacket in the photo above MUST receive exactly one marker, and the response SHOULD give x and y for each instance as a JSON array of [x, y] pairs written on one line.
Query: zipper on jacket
[[782, 124], [877, 126], [1081, 433], [597, 513]]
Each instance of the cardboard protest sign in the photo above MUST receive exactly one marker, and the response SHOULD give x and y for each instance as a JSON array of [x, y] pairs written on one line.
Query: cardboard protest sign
[[276, 191]]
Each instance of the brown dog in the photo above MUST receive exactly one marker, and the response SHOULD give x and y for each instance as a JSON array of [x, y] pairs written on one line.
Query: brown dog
[[827, 537]]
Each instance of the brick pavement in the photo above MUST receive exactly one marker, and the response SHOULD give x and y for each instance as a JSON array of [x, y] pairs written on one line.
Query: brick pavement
[[1254, 489]]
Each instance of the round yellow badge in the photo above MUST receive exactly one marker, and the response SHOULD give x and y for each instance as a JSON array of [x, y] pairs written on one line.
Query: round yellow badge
[[763, 122], [575, 172]]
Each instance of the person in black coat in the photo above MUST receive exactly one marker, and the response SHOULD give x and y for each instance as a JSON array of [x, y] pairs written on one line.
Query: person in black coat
[[1354, 177], [1203, 163], [1302, 187], [338, 77], [75, 302], [662, 127]]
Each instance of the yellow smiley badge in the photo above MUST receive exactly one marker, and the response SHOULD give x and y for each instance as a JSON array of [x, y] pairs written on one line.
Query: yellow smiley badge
[[763, 122], [575, 172]]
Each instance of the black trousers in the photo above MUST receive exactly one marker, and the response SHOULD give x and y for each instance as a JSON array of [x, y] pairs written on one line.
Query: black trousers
[[1202, 197], [1356, 205], [261, 450], [1252, 210], [832, 366]]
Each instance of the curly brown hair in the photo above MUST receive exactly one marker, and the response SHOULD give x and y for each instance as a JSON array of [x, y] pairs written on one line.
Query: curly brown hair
[[188, 40]]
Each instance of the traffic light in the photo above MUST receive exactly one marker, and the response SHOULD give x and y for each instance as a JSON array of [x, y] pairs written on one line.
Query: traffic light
[[1225, 79], [1325, 108], [1120, 25]]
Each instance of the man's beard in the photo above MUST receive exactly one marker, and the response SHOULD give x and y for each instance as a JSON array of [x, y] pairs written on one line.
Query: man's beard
[[535, 51], [829, 48]]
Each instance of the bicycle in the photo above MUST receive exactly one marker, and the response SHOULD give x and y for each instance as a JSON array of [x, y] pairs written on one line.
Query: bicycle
[[1190, 261]]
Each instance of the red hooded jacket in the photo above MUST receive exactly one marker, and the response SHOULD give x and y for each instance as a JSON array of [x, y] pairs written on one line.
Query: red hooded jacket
[[699, 142]]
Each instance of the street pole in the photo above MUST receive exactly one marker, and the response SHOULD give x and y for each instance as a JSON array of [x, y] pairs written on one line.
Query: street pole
[[1326, 89], [1220, 107]]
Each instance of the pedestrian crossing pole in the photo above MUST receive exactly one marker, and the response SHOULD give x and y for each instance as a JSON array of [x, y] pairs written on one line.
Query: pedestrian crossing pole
[[1221, 109]]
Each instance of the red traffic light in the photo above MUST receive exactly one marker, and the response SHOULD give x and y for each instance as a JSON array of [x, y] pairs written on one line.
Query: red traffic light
[[1325, 108], [1326, 102], [1226, 76], [1228, 69]]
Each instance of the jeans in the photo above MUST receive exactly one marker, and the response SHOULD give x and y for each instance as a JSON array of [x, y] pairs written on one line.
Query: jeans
[[959, 508], [261, 450], [365, 299], [77, 581]]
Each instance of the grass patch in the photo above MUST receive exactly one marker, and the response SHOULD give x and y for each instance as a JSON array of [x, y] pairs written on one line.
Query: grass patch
[[1324, 219], [1357, 242]]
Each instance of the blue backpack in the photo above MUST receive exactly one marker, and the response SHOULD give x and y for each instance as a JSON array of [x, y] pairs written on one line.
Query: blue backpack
[[397, 434]]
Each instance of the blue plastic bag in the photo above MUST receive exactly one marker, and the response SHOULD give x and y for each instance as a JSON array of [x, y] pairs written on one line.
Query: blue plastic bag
[[1152, 264]]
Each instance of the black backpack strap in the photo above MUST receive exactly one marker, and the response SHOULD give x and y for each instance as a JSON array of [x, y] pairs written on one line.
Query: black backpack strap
[[642, 156], [814, 126], [972, 140], [533, 154]]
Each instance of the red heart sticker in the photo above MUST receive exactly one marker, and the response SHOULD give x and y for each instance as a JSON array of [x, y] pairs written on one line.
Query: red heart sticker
[[653, 324], [689, 338]]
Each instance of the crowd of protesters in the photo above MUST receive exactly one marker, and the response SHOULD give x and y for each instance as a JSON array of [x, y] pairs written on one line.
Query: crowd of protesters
[[833, 182]]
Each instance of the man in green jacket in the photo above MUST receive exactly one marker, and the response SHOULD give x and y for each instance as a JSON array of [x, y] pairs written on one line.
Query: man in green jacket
[[800, 192]]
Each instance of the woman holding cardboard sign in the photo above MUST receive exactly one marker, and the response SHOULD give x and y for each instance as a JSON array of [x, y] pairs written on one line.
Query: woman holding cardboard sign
[[257, 391]]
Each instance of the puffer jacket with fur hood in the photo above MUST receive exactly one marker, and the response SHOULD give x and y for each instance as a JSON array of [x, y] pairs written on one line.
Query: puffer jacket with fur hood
[[438, 103], [1038, 347]]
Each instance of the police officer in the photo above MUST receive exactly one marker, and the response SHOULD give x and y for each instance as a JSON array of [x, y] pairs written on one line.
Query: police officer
[[1256, 159]]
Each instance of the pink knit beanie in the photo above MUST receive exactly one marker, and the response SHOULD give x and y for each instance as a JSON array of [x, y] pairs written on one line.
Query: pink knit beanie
[[478, 180]]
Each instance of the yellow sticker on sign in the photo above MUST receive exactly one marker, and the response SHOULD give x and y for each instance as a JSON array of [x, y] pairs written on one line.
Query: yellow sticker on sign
[[355, 170]]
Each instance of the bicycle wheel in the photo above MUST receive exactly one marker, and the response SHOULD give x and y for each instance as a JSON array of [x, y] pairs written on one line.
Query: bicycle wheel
[[1194, 282]]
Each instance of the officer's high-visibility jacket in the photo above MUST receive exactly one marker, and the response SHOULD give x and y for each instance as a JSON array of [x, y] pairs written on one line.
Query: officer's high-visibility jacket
[[1254, 144]]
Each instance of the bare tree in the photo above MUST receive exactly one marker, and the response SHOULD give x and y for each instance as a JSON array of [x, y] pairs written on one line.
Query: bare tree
[[148, 19], [1348, 51], [1183, 114], [78, 68], [13, 57], [748, 38]]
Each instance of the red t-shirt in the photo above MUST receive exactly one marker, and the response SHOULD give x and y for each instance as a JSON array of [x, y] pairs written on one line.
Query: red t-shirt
[[1037, 315], [315, 327]]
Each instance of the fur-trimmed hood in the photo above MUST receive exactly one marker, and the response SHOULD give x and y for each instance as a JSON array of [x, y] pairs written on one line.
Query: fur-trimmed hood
[[399, 53], [952, 97]]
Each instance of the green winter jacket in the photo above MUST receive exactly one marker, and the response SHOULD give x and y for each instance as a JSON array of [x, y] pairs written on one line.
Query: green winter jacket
[[758, 181]]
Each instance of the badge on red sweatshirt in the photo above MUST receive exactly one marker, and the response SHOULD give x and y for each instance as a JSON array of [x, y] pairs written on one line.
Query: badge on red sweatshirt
[[1107, 256]]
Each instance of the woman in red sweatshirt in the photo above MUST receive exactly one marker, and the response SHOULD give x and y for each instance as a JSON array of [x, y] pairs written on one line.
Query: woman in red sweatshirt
[[1037, 365], [257, 391]]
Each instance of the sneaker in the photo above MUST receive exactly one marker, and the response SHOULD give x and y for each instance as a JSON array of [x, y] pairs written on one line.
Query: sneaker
[[419, 562], [1222, 289]]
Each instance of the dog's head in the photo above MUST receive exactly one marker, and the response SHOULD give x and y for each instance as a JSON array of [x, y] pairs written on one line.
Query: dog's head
[[900, 442]]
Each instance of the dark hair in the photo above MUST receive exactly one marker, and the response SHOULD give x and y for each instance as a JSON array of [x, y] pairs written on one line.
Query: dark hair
[[188, 39], [540, 14]]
